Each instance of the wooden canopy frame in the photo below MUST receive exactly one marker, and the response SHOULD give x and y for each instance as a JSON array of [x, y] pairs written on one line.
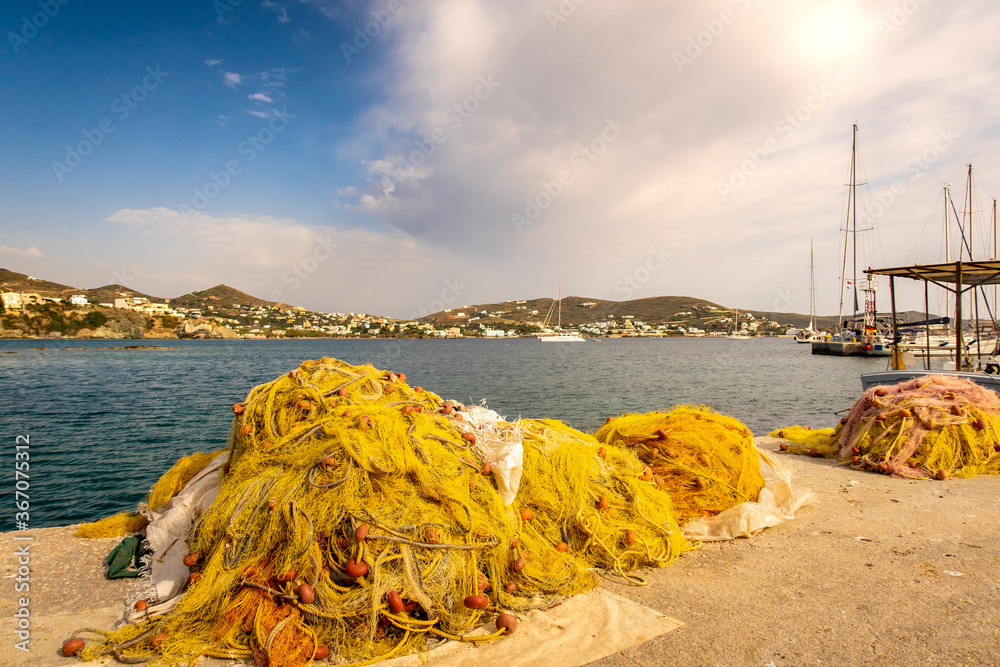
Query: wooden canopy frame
[[956, 277]]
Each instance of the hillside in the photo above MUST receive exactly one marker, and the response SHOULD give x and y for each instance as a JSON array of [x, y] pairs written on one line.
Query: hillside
[[582, 310], [220, 296], [11, 281], [225, 301], [108, 294], [578, 311]]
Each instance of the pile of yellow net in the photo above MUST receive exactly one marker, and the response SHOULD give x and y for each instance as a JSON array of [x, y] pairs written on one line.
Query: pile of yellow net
[[934, 426], [706, 462], [357, 519]]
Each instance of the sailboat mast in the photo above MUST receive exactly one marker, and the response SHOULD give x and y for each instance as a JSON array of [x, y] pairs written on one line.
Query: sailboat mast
[[968, 188], [559, 326], [812, 288], [847, 234], [947, 246], [854, 206]]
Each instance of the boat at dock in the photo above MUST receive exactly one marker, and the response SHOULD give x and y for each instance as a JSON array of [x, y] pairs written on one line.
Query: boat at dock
[[973, 354], [858, 336], [977, 362]]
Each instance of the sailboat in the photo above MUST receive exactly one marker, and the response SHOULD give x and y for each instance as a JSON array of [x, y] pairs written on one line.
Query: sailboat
[[810, 334], [977, 360], [858, 337], [558, 336], [735, 333]]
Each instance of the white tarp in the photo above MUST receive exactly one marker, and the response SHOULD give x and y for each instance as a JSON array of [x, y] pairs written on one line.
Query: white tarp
[[778, 502], [168, 531], [580, 630], [501, 447]]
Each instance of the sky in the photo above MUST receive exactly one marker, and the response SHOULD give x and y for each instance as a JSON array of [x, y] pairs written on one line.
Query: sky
[[399, 157]]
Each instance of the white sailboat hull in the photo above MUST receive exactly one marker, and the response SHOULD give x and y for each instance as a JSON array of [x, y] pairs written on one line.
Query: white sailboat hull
[[562, 338]]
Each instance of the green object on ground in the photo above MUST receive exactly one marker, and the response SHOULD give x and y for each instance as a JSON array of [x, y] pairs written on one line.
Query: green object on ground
[[125, 560]]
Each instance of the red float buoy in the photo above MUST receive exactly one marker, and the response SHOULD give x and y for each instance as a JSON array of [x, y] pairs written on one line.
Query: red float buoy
[[356, 570], [395, 602], [306, 593], [477, 601], [508, 622], [71, 646]]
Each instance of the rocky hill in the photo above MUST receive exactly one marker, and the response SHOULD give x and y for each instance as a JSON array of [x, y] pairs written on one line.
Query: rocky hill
[[577, 311], [220, 296]]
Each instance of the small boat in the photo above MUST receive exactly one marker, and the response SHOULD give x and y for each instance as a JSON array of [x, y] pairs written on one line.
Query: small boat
[[809, 334], [735, 334], [559, 335]]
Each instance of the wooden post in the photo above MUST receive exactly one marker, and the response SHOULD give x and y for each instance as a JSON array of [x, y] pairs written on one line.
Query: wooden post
[[958, 315], [927, 327], [897, 354]]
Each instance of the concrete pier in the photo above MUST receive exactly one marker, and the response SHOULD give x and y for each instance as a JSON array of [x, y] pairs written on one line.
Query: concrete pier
[[874, 571]]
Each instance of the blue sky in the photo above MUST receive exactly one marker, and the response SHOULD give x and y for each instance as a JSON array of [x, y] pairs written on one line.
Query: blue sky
[[398, 157]]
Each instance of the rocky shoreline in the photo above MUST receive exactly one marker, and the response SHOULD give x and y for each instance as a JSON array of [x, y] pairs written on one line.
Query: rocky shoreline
[[126, 329]]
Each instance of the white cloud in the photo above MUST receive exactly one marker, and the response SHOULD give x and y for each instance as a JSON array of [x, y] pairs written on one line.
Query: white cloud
[[319, 267], [211, 62], [348, 191], [260, 97], [279, 10], [232, 79], [762, 95], [258, 240], [31, 252]]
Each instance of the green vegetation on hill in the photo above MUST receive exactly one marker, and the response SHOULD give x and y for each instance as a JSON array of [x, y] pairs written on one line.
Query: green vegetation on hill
[[56, 319]]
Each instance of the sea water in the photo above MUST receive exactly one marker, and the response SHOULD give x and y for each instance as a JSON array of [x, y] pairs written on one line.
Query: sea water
[[105, 423]]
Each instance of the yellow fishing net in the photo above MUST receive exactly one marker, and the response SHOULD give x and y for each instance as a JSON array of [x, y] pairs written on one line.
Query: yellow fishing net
[[120, 524], [823, 440], [357, 518], [706, 461], [934, 426]]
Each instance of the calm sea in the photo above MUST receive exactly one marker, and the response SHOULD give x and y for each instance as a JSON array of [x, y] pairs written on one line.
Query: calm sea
[[104, 424]]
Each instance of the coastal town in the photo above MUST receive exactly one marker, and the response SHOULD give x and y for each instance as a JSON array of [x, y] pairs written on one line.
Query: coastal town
[[34, 308]]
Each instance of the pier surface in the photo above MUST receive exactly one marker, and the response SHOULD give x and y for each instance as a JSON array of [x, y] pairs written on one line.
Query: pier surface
[[874, 571]]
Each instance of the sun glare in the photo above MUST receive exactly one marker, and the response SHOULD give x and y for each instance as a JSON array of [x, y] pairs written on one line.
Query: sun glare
[[831, 32]]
